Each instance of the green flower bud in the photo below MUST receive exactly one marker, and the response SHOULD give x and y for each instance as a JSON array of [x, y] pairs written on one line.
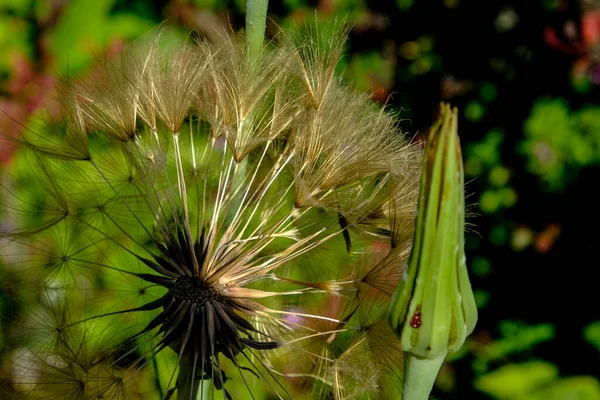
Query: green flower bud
[[433, 309]]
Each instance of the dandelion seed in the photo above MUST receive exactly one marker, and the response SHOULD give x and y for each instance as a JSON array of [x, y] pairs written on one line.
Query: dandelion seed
[[202, 216]]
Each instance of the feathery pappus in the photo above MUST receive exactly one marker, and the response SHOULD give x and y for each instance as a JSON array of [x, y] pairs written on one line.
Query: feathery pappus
[[205, 224]]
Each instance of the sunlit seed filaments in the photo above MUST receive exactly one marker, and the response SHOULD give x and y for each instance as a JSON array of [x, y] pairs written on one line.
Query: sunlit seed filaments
[[203, 187]]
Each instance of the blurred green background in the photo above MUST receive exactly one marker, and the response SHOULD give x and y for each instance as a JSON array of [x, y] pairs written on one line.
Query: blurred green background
[[526, 77]]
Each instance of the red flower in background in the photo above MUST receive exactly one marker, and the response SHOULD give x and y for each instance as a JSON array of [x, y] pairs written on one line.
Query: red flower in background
[[583, 42]]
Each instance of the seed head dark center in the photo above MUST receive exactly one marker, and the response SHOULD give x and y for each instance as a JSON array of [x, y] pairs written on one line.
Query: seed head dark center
[[191, 289]]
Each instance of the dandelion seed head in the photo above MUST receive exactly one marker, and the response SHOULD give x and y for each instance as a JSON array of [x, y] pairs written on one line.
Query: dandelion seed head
[[201, 216]]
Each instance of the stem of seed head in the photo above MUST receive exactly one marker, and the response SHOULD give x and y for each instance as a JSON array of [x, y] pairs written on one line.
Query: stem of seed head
[[256, 16]]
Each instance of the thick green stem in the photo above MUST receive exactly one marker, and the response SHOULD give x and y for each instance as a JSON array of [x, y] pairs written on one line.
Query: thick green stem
[[419, 376], [256, 17]]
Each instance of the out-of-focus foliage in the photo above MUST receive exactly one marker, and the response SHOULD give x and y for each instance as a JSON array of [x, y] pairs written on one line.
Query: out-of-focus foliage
[[88, 27], [512, 380], [526, 78], [536, 380], [591, 333], [41, 40], [516, 338], [559, 142], [13, 41], [484, 160]]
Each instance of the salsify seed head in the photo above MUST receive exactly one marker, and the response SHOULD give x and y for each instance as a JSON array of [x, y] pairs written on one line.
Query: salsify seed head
[[201, 216]]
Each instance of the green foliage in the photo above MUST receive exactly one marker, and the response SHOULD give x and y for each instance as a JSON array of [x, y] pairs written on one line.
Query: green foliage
[[480, 266], [86, 28], [536, 380], [16, 7], [422, 57], [405, 5], [488, 92], [209, 4], [492, 200], [498, 235], [370, 71], [13, 42], [482, 298], [485, 158], [518, 337], [294, 4], [485, 154], [559, 142], [591, 334], [474, 111], [510, 381], [572, 388]]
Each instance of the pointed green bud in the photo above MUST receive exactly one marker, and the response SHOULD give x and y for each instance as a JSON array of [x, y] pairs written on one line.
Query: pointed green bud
[[433, 308]]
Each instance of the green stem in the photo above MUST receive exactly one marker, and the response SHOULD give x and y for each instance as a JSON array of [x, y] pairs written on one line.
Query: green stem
[[419, 376], [256, 17], [187, 386]]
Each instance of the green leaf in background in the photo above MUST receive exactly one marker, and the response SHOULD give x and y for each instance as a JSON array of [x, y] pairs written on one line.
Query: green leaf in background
[[209, 4], [370, 72], [482, 298], [474, 111], [518, 337], [485, 154], [488, 92], [591, 334], [18, 8], [510, 381], [536, 380], [498, 234], [493, 200], [480, 266], [559, 142], [572, 388], [85, 29], [405, 5], [499, 176], [485, 157], [14, 42]]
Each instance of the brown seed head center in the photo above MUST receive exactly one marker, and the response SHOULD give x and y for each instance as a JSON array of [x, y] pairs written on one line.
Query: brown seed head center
[[191, 289]]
